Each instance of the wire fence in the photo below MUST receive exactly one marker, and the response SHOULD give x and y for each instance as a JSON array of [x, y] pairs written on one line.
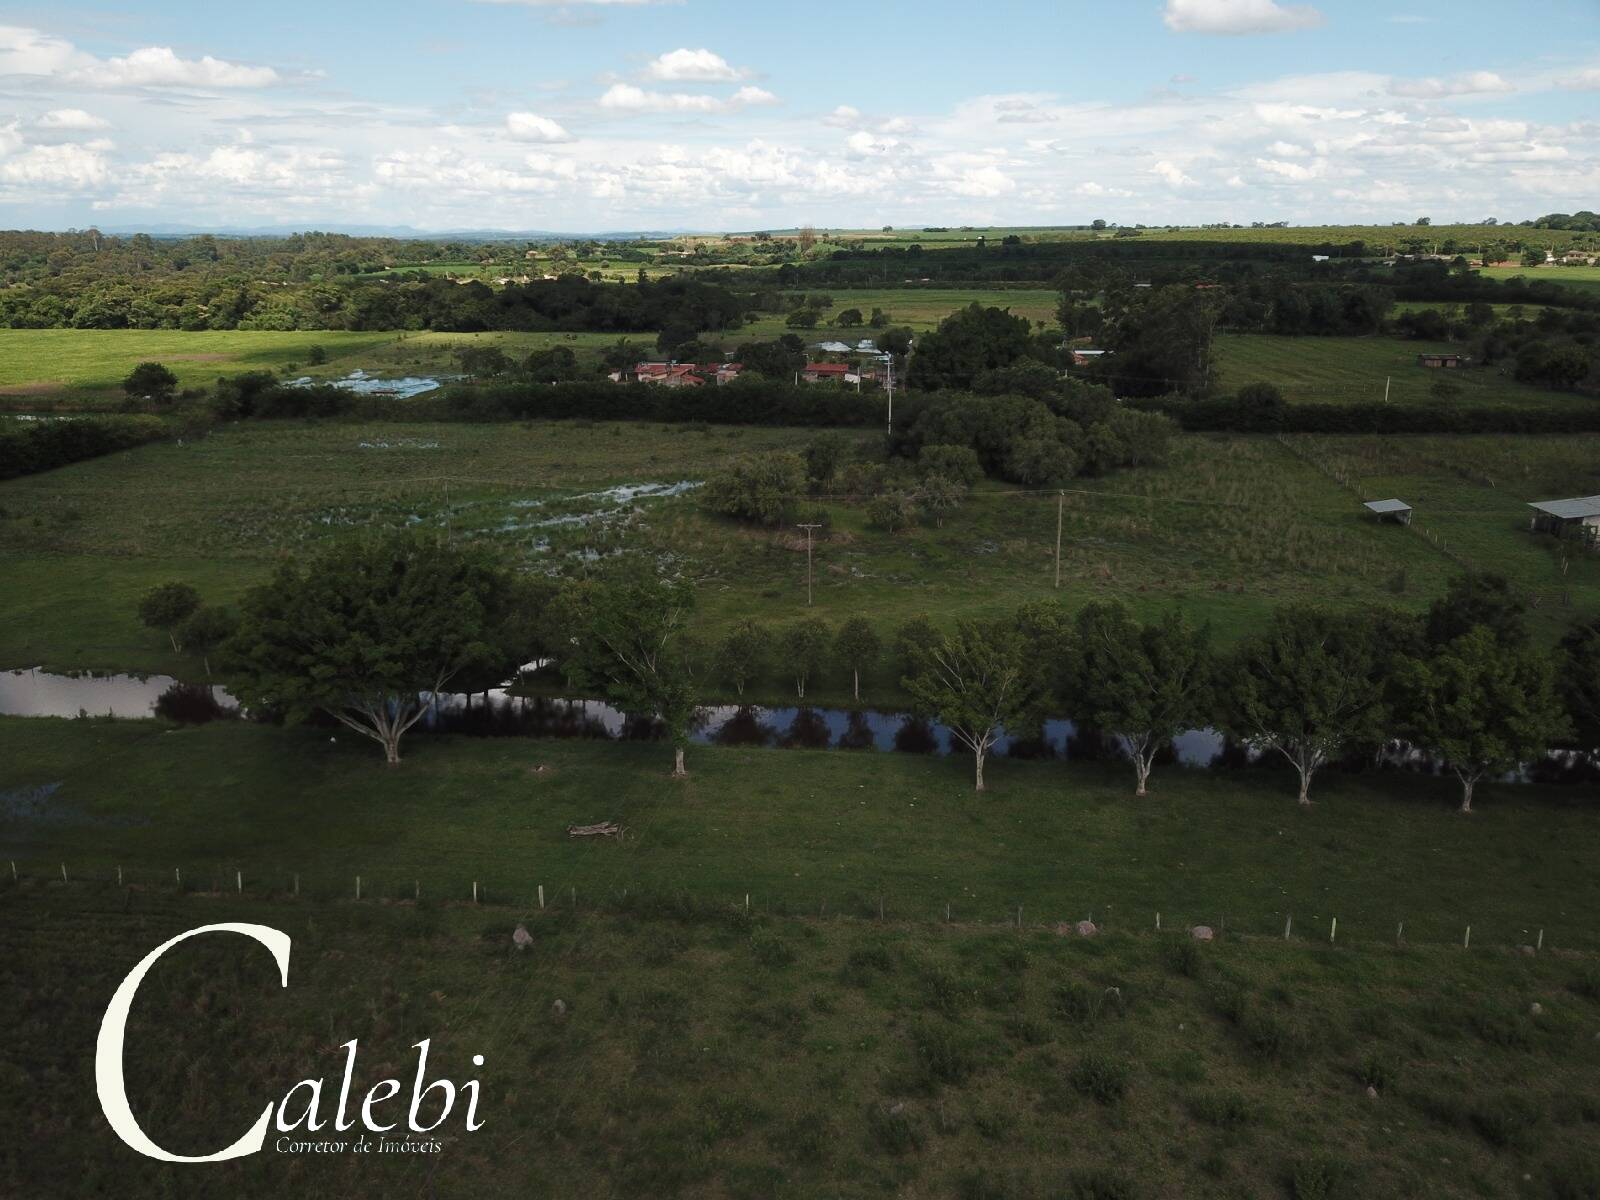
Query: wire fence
[[522, 900]]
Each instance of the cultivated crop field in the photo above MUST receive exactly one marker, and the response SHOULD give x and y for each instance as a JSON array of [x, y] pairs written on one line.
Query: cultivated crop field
[[1352, 370], [44, 367]]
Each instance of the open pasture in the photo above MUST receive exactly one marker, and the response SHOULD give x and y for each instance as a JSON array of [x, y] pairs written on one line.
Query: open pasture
[[69, 367], [1353, 370], [918, 308]]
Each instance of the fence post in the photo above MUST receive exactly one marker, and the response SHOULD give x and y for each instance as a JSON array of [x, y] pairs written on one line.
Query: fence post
[[417, 885], [1333, 930], [63, 872], [1158, 922], [1288, 924], [13, 870], [358, 887], [119, 876], [1540, 946], [238, 881], [177, 876], [1466, 942], [541, 895], [474, 891]]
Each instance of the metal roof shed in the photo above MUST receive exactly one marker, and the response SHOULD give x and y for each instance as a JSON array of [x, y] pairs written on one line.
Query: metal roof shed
[[1397, 510]]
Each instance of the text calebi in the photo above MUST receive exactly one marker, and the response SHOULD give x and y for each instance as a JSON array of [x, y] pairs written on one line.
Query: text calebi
[[300, 1107]]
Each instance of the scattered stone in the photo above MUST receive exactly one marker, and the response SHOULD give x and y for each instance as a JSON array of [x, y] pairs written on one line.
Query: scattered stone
[[559, 1007], [1063, 929], [521, 938], [1535, 1008], [1372, 1092], [1202, 933], [898, 1107], [1527, 951], [1086, 929]]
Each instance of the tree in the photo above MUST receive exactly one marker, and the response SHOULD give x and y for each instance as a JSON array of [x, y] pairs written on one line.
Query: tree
[[1578, 663], [1144, 683], [206, 629], [803, 318], [1474, 599], [1481, 705], [759, 487], [893, 509], [632, 642], [150, 381], [370, 633], [742, 653], [823, 454], [966, 344], [166, 608], [805, 649], [483, 361], [1160, 341], [937, 495], [857, 647], [1306, 687], [850, 318], [977, 681]]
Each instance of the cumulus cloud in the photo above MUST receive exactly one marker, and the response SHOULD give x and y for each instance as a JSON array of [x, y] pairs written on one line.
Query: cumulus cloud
[[693, 66], [1238, 16], [1171, 174], [1470, 84], [30, 52], [1584, 81], [625, 97], [68, 165], [843, 117], [531, 127], [70, 120]]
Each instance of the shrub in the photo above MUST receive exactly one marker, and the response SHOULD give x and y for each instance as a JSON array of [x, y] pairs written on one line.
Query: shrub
[[893, 1128], [1101, 1078], [1379, 1071], [1225, 1110], [1316, 1177], [943, 1054], [762, 488], [1182, 956]]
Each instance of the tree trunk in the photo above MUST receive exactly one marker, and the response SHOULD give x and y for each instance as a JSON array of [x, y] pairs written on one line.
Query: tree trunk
[[679, 771], [1141, 768], [800, 686], [1305, 786], [173, 638], [391, 749], [1468, 782], [978, 764]]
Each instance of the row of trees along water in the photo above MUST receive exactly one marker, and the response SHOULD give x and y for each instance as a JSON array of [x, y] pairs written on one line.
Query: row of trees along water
[[367, 632]]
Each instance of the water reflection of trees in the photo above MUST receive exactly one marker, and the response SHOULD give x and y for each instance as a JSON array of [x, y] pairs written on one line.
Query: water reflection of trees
[[858, 733], [192, 704], [808, 731], [916, 736], [745, 728]]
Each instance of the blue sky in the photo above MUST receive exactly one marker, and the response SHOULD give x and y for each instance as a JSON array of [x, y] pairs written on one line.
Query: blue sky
[[710, 114]]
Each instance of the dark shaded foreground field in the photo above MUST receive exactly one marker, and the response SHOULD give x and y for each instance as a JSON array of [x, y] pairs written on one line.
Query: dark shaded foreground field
[[706, 1052]]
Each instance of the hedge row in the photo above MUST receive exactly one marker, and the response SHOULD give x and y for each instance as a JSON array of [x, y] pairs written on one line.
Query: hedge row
[[1227, 415], [27, 447]]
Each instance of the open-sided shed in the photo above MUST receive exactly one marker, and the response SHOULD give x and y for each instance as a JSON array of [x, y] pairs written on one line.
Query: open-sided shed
[[1390, 510], [1580, 515]]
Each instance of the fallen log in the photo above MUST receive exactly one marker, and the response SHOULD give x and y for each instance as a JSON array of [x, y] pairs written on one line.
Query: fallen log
[[603, 829]]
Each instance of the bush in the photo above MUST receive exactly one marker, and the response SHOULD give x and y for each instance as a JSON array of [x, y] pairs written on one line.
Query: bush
[[762, 488], [27, 448], [1317, 1177], [1225, 1110], [1101, 1078]]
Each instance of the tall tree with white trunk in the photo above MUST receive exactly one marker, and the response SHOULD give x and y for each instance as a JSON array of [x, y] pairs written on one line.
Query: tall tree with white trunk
[[978, 681], [1306, 687], [1481, 705], [1144, 683]]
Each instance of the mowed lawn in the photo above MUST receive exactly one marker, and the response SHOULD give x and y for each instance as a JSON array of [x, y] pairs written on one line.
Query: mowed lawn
[[1344, 370], [62, 364], [799, 829]]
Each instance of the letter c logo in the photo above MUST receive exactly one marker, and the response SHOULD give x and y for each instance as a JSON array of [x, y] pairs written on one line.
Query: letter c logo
[[108, 1050]]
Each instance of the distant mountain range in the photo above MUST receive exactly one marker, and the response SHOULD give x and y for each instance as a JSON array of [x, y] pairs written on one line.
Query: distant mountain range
[[389, 231]]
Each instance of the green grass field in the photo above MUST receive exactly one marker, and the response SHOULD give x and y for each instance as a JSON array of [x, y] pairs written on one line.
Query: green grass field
[[919, 308], [53, 365], [1344, 370], [797, 829], [711, 1053], [1586, 279], [220, 510]]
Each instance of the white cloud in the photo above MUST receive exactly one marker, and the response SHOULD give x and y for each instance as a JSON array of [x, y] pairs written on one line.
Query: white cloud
[[1587, 80], [625, 97], [1238, 16], [1470, 84], [29, 52], [65, 166], [693, 66], [843, 117], [1172, 174], [70, 119], [531, 127]]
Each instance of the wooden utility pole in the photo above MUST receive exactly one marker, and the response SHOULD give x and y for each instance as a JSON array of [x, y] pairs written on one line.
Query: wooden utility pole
[[808, 529], [1061, 500]]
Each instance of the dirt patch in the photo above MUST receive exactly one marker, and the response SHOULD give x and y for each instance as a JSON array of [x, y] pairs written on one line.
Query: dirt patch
[[42, 387], [200, 357]]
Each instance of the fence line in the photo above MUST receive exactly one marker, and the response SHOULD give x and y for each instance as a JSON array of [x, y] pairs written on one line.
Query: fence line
[[285, 887]]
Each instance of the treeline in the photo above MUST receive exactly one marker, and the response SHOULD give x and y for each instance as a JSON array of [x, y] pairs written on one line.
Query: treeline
[[28, 447], [1308, 686]]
